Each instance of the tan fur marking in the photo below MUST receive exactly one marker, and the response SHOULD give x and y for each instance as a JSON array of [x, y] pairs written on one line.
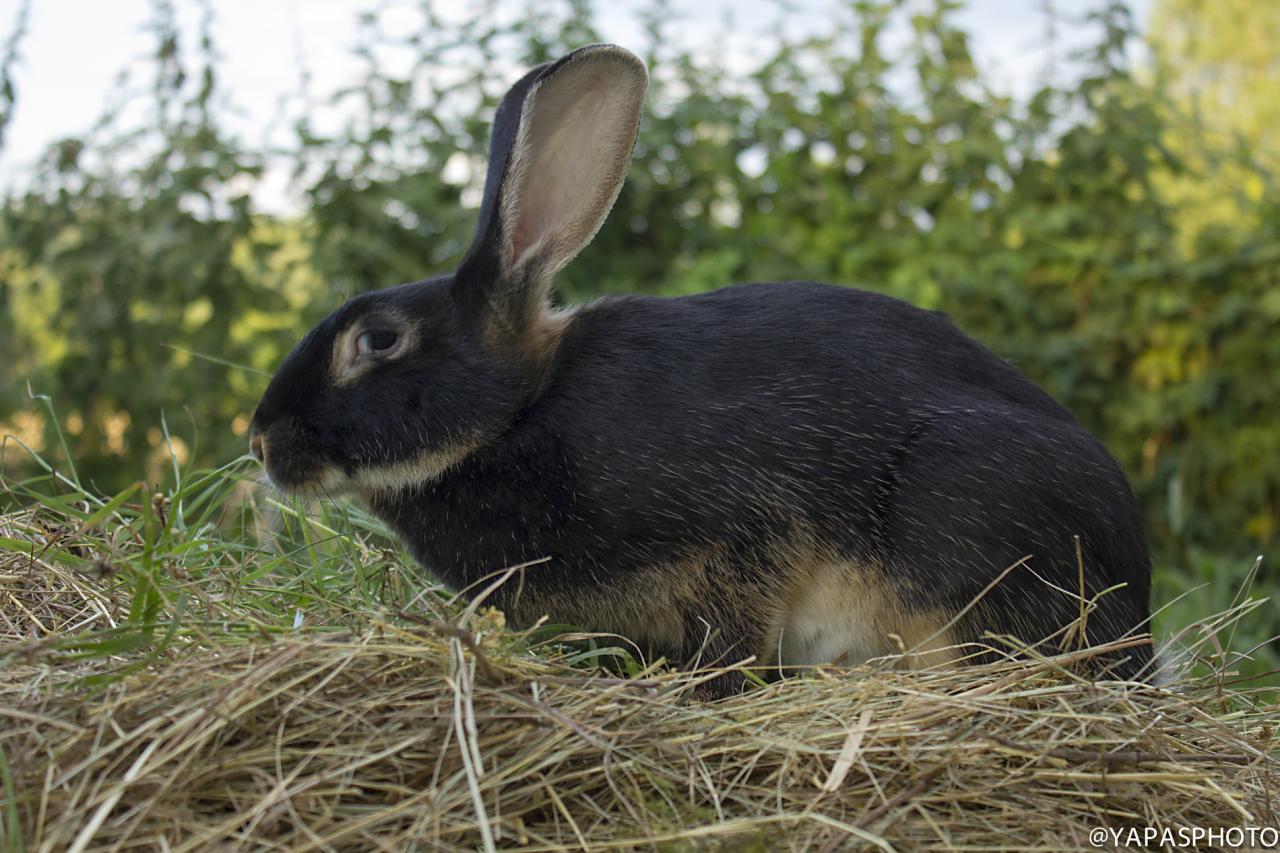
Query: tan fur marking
[[544, 333], [823, 609], [539, 338], [838, 611], [426, 466], [925, 640]]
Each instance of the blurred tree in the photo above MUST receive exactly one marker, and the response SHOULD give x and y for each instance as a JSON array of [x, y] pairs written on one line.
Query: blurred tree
[[120, 260], [1220, 61]]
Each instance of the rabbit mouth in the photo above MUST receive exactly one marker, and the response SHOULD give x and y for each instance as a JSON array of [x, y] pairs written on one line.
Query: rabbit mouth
[[293, 465], [328, 483], [302, 478]]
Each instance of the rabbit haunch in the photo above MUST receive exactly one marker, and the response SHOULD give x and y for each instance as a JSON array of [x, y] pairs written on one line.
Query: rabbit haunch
[[793, 472]]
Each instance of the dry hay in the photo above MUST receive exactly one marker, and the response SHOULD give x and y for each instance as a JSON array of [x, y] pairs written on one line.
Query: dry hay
[[431, 737]]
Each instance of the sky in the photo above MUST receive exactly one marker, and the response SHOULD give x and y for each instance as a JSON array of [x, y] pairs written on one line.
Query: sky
[[74, 51]]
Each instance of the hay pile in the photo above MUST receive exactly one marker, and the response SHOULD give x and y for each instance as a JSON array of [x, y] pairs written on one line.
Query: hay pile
[[403, 736]]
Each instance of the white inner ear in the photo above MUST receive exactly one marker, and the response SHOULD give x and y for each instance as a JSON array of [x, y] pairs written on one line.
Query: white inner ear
[[576, 134]]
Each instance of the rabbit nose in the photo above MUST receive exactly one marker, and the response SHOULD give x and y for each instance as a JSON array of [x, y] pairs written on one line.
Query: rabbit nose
[[256, 447]]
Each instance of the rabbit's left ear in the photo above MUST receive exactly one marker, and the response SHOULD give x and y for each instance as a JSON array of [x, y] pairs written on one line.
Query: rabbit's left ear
[[562, 142]]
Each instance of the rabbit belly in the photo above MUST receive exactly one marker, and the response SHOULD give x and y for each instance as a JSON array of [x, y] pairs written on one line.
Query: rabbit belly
[[845, 615], [827, 625]]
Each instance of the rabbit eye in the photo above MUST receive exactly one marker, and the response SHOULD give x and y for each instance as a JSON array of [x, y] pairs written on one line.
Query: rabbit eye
[[376, 340]]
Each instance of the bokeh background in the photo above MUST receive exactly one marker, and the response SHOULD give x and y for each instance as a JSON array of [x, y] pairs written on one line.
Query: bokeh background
[[1089, 188]]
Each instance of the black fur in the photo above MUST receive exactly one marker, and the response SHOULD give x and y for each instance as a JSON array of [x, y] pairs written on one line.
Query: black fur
[[667, 455]]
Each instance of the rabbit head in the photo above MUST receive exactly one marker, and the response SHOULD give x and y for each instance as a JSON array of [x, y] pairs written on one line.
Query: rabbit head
[[398, 384]]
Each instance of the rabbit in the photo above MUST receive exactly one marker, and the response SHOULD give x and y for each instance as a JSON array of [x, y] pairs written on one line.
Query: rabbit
[[788, 473]]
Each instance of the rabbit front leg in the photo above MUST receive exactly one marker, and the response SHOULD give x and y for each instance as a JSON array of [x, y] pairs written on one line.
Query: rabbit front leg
[[670, 611], [725, 618], [708, 646]]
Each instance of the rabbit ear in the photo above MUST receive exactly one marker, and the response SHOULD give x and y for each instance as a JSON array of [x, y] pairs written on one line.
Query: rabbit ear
[[506, 124], [562, 141]]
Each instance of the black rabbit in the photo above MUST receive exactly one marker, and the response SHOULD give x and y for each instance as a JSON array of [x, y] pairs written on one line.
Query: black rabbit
[[794, 471]]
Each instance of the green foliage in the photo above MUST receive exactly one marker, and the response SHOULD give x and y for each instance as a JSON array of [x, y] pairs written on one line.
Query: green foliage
[[1053, 229], [1218, 62]]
